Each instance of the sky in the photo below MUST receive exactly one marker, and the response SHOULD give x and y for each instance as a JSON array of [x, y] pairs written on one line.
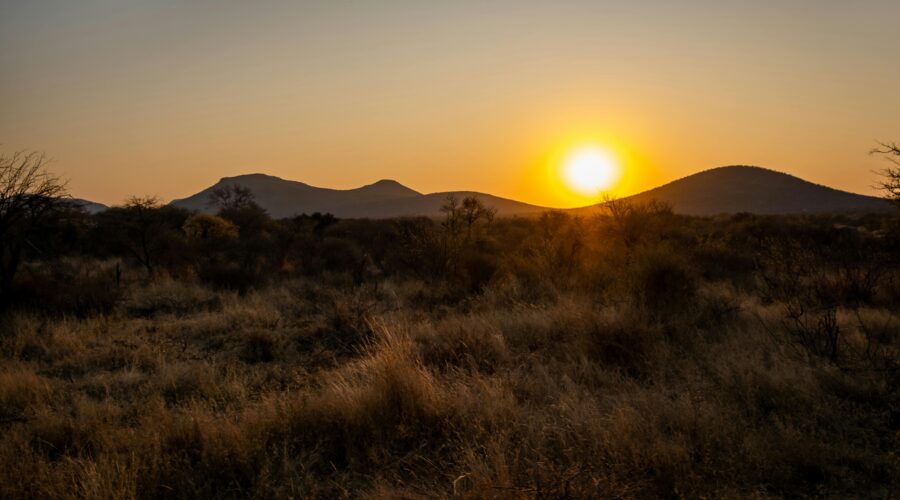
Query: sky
[[165, 97]]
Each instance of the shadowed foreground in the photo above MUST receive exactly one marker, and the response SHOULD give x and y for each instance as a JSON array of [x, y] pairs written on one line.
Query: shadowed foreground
[[638, 355]]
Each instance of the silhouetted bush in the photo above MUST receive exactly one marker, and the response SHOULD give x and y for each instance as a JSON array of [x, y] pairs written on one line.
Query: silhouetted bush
[[624, 343], [661, 283], [143, 231], [69, 287], [721, 261], [229, 275]]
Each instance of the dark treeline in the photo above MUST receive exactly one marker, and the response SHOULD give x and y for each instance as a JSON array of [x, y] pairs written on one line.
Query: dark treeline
[[77, 263]]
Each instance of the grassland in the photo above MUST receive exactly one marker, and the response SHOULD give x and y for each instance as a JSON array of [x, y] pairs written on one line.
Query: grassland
[[638, 355]]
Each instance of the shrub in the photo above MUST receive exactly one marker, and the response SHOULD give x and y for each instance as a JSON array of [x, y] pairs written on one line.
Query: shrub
[[20, 390], [229, 275], [69, 287], [463, 343], [165, 296], [385, 405], [619, 341], [661, 283], [205, 227]]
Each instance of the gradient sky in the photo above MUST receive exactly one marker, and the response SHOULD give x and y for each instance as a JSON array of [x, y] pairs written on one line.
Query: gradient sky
[[164, 97]]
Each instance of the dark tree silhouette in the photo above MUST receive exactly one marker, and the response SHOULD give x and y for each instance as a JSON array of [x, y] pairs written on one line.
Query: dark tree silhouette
[[633, 222], [465, 216], [146, 230], [143, 228], [890, 183], [231, 197], [28, 196]]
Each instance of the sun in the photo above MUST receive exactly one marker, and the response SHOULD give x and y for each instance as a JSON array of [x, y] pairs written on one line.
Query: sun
[[590, 170]]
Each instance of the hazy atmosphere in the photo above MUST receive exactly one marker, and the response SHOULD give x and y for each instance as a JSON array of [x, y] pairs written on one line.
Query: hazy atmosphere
[[164, 98], [411, 250]]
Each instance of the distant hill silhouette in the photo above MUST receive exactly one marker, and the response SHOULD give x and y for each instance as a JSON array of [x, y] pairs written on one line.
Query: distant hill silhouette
[[90, 207], [382, 199], [720, 190], [736, 189]]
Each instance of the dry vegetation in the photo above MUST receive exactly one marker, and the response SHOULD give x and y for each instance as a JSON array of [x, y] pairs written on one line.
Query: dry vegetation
[[640, 354]]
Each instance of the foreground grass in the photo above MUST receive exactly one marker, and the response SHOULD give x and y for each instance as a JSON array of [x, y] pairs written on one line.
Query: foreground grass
[[304, 390]]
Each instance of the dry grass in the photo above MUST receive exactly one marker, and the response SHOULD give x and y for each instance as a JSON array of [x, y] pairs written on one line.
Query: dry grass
[[184, 392]]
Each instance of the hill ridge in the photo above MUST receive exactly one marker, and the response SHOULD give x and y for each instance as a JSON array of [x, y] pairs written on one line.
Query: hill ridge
[[754, 189], [718, 190], [383, 198]]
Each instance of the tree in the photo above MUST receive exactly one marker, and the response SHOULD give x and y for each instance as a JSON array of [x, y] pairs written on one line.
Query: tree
[[203, 227], [457, 243], [29, 194], [632, 223], [231, 197], [465, 216], [891, 175], [473, 212], [146, 230], [557, 246], [237, 204], [143, 228]]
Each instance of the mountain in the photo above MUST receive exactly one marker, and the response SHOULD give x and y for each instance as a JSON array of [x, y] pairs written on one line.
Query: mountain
[[90, 207], [382, 199], [720, 190], [736, 189]]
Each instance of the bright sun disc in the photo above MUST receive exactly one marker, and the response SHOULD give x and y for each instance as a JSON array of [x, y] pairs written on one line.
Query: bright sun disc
[[590, 170]]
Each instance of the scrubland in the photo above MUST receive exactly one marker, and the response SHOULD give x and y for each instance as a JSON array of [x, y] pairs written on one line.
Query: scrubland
[[638, 354]]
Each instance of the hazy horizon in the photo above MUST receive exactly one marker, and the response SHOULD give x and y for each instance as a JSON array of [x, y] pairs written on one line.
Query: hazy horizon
[[159, 98]]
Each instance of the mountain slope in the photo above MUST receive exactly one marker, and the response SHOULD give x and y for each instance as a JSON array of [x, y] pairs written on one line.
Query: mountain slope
[[720, 190], [88, 206], [736, 189], [385, 198]]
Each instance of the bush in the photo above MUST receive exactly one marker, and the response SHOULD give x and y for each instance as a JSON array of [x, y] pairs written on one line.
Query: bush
[[166, 296], [661, 284], [463, 343], [228, 275], [20, 390], [69, 287], [623, 342]]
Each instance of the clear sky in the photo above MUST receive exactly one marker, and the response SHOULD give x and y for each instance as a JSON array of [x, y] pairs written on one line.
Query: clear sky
[[164, 97]]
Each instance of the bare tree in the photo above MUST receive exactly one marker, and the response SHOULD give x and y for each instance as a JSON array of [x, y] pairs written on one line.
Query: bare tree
[[465, 216], [452, 220], [144, 228], [632, 222], [473, 212], [231, 197], [28, 195], [891, 175], [461, 226]]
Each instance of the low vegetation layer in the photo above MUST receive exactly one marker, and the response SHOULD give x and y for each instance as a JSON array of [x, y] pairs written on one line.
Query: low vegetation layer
[[637, 354]]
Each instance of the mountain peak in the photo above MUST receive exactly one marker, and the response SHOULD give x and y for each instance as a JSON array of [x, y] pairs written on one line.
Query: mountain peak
[[251, 177], [743, 170], [389, 187], [380, 199], [386, 182], [744, 188]]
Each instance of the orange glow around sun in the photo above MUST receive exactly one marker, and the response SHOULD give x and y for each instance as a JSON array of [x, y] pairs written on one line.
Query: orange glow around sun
[[577, 169], [590, 170]]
